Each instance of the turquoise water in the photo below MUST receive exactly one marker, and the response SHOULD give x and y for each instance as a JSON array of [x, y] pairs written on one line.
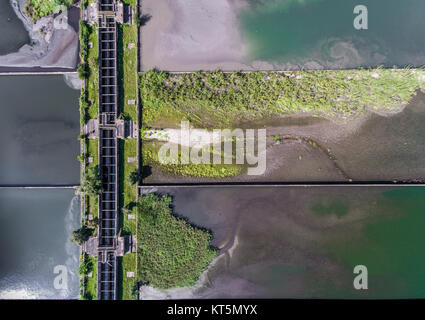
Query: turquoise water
[[320, 33]]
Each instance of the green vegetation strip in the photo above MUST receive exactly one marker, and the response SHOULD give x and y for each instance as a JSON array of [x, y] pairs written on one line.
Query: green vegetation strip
[[171, 252], [128, 149], [88, 71], [128, 263], [93, 74], [217, 99], [92, 201], [88, 265], [129, 179], [128, 69], [129, 175], [150, 158]]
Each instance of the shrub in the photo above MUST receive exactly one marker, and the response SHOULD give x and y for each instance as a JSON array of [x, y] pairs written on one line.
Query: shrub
[[37, 9], [91, 183], [81, 235], [83, 71], [86, 266], [134, 177], [134, 291], [171, 252]]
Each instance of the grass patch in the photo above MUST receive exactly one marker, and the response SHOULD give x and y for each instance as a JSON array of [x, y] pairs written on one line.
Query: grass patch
[[92, 151], [128, 69], [128, 148], [127, 263], [150, 158], [128, 198], [90, 283], [217, 99], [91, 286], [88, 71], [93, 79], [171, 252]]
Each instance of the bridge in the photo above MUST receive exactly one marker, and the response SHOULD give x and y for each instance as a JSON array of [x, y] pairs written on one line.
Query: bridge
[[108, 201]]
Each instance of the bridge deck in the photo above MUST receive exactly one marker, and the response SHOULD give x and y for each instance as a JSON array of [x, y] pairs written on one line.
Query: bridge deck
[[108, 152], [107, 33], [108, 200], [107, 276]]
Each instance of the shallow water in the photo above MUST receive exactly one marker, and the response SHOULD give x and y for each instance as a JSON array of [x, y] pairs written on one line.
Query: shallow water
[[35, 228], [281, 35], [381, 148], [320, 33], [13, 35], [40, 127], [298, 242]]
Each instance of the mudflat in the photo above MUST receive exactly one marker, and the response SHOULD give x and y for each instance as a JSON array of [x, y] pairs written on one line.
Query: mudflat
[[187, 35]]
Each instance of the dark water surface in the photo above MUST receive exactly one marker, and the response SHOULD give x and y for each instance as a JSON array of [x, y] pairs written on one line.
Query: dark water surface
[[40, 127], [35, 228], [13, 34], [298, 242]]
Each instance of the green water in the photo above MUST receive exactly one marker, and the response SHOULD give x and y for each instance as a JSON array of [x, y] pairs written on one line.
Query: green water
[[338, 208], [304, 242], [391, 246], [320, 33]]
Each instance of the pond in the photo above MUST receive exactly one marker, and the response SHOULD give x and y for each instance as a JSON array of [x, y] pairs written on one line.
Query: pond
[[36, 226], [304, 242]]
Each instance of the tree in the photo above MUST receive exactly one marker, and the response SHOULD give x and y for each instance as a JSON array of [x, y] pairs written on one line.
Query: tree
[[91, 183], [133, 177], [93, 223], [82, 70], [86, 266], [126, 210], [87, 296], [85, 4], [81, 235], [134, 291]]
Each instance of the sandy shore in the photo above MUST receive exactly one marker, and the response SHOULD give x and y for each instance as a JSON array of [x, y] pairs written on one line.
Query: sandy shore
[[56, 49], [187, 35]]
